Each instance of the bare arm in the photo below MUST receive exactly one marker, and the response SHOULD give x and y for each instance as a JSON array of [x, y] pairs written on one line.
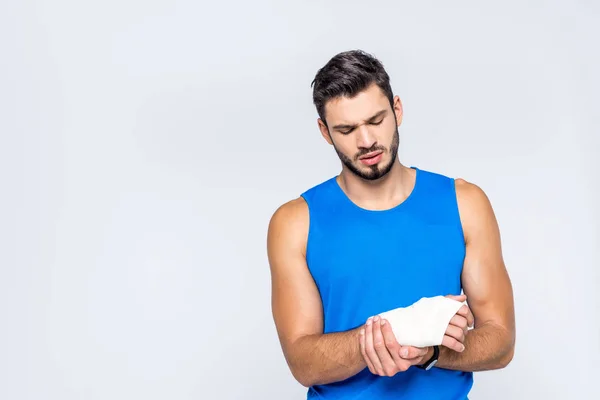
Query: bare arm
[[490, 345], [313, 357]]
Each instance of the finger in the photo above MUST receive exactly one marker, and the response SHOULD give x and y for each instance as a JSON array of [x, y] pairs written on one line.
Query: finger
[[464, 311], [456, 333], [387, 362], [392, 345], [453, 344], [371, 354], [470, 319], [363, 350], [411, 352], [459, 321], [460, 297]]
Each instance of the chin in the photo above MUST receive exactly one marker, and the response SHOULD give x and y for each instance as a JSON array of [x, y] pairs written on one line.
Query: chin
[[366, 175]]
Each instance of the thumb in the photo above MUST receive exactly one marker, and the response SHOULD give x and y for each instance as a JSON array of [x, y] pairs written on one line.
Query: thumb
[[409, 352], [460, 297]]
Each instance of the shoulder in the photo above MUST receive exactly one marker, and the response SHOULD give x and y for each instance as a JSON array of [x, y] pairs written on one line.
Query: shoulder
[[464, 189], [293, 216], [469, 194], [293, 212], [475, 208], [435, 182], [288, 225]]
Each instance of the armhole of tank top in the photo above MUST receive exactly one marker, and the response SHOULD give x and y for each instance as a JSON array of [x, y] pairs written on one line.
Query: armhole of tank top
[[456, 209], [308, 231]]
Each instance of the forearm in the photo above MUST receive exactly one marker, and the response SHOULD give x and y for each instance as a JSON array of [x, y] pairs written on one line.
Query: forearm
[[326, 358], [487, 347]]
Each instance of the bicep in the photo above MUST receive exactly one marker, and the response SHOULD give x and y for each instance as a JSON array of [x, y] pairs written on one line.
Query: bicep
[[295, 300], [485, 279]]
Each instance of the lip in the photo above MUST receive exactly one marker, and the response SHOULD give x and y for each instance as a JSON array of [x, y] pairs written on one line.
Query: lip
[[371, 158], [371, 155]]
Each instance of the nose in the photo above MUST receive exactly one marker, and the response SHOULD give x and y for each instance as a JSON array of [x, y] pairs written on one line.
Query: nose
[[365, 139]]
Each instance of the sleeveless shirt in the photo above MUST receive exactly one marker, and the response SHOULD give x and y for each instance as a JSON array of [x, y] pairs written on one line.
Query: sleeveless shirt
[[365, 262]]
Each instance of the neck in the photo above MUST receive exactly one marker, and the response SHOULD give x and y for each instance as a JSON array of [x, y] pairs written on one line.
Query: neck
[[383, 193]]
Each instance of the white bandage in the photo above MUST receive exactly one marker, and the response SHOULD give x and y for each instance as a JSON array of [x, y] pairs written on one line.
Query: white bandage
[[423, 323]]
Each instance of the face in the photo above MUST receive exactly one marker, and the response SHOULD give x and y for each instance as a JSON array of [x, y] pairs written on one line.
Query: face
[[364, 132]]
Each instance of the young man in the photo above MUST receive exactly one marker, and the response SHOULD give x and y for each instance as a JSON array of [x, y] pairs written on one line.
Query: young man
[[380, 236]]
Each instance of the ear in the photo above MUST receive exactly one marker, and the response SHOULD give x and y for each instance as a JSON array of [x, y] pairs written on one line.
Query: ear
[[324, 131], [398, 110]]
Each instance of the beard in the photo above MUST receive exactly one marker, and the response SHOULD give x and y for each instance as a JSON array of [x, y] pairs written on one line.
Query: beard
[[376, 171]]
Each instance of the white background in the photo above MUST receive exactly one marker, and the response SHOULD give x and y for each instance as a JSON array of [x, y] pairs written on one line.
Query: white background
[[145, 145]]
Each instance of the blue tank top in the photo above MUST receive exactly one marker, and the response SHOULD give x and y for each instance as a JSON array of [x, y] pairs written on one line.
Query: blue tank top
[[365, 262]]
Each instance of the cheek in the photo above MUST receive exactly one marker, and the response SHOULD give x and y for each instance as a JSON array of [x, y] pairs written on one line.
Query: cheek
[[385, 134], [390, 126], [344, 145]]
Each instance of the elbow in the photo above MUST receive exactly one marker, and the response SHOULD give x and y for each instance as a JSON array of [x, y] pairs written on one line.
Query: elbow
[[300, 371], [302, 377], [307, 376], [508, 354], [305, 382], [299, 367], [507, 358]]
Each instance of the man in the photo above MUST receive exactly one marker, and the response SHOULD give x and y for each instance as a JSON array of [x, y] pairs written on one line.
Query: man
[[380, 236]]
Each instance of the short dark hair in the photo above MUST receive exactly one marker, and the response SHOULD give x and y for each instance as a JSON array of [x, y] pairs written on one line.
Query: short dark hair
[[347, 74]]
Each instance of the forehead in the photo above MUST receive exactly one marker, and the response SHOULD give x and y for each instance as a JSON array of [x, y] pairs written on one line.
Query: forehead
[[351, 110]]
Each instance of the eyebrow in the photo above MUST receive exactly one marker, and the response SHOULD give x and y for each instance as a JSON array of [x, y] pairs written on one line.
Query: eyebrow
[[346, 126]]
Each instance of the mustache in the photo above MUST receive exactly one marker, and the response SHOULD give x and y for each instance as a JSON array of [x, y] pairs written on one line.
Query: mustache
[[370, 150]]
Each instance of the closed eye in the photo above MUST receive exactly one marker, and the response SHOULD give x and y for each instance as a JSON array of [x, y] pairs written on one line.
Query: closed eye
[[345, 129], [346, 132]]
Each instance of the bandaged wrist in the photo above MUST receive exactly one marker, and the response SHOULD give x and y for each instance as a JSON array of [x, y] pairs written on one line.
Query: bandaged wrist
[[423, 323]]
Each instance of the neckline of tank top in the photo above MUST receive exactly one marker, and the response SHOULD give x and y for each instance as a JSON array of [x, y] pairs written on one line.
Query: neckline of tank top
[[397, 207]]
